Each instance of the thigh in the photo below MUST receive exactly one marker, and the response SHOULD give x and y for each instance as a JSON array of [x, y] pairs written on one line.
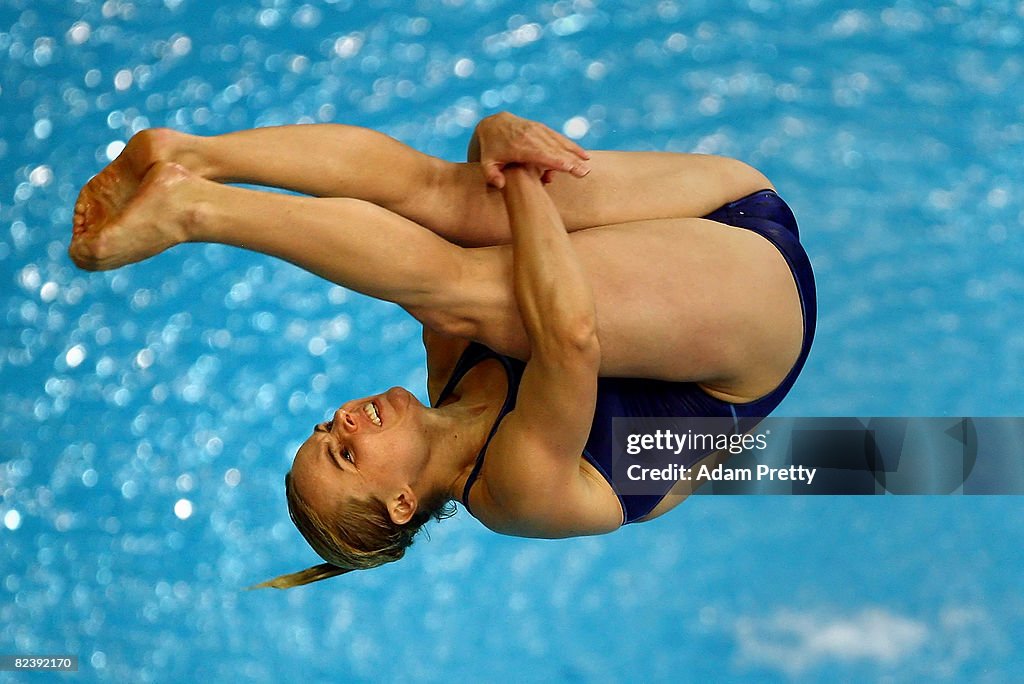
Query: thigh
[[677, 299], [622, 187]]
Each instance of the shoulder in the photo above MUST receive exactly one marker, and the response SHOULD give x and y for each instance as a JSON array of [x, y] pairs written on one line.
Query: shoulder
[[515, 494]]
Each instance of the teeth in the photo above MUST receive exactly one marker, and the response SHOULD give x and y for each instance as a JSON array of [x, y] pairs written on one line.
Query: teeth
[[371, 411]]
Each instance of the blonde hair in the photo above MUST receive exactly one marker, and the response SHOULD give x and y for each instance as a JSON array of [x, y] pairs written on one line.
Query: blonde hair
[[357, 535]]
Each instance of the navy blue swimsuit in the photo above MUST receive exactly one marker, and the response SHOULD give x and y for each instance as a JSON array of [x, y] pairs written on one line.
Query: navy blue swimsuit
[[767, 215]]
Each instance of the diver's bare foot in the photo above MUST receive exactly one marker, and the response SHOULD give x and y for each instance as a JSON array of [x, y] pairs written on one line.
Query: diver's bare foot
[[106, 194], [155, 218]]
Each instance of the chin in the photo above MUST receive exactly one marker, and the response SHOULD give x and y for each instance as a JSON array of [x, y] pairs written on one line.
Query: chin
[[402, 398]]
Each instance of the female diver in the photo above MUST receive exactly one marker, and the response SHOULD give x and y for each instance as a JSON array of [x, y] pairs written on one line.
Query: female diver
[[677, 278]]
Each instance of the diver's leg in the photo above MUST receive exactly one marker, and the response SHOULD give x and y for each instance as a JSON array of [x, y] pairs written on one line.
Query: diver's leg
[[651, 279], [324, 160], [453, 200], [685, 299], [622, 187], [350, 242]]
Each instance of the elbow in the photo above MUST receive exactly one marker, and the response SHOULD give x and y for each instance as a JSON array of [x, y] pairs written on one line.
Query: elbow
[[577, 340], [583, 336]]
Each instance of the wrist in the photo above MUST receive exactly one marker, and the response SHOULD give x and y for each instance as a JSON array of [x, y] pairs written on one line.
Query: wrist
[[517, 178]]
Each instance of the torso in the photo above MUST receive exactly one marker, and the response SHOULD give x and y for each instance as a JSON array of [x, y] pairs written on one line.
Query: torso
[[489, 381], [486, 381]]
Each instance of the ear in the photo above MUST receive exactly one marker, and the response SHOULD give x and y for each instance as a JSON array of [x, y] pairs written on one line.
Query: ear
[[402, 506]]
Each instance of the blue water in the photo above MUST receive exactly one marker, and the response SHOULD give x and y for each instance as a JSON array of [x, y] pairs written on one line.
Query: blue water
[[149, 414]]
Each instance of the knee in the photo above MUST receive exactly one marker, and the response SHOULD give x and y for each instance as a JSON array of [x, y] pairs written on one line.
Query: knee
[[747, 176], [430, 198], [453, 202], [437, 181]]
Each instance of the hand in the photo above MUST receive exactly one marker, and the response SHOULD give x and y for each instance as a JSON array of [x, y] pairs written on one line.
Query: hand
[[513, 175], [506, 139]]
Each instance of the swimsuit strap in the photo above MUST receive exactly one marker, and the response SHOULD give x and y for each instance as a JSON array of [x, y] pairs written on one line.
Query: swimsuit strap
[[475, 354], [472, 355]]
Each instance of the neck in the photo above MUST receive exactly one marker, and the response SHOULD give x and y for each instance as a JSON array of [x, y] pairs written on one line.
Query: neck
[[459, 432]]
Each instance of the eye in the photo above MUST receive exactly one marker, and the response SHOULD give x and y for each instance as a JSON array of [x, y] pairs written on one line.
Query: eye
[[345, 453]]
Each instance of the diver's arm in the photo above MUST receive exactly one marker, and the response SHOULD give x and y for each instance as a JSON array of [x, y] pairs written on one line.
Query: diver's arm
[[551, 288], [533, 484]]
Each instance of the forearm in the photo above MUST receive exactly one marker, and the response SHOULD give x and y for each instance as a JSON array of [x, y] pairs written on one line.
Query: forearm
[[551, 288]]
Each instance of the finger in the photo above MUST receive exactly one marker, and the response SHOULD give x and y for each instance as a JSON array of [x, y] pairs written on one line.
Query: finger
[[546, 149], [573, 147], [580, 152], [562, 162], [494, 176], [548, 158], [563, 142], [569, 160]]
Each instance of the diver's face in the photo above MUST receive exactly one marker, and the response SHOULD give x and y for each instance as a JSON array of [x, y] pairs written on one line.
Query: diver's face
[[370, 447]]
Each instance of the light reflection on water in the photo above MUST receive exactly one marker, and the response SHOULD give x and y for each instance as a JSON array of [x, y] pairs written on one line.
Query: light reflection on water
[[149, 414]]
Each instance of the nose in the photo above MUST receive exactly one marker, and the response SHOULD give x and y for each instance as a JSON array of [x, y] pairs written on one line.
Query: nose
[[344, 420]]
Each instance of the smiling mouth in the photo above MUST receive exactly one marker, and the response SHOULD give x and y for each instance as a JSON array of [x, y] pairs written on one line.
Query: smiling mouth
[[370, 409]]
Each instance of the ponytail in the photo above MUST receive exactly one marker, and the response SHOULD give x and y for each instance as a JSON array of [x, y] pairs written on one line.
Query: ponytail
[[357, 535], [307, 576]]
